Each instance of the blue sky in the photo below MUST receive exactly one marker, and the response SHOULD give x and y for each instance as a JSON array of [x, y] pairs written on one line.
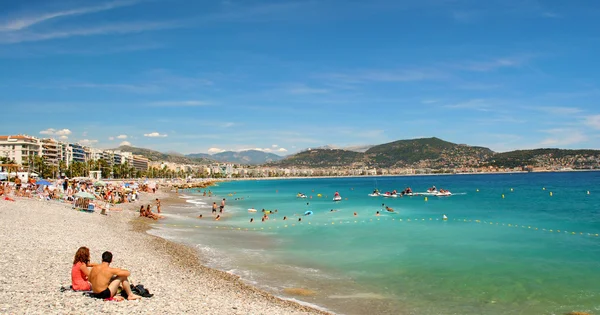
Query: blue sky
[[203, 76]]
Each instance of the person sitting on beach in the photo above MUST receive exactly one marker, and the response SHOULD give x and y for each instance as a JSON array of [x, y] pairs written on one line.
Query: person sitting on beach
[[142, 211], [81, 270], [106, 280]]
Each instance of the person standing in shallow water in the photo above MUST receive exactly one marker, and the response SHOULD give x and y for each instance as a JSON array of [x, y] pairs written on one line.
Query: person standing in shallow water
[[157, 205], [222, 205], [214, 207]]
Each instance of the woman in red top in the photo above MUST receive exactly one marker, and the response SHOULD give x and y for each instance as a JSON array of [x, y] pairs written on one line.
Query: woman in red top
[[81, 270]]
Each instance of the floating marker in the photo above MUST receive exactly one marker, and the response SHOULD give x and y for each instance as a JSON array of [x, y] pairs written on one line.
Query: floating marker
[[502, 196], [588, 192], [511, 189], [550, 194], [425, 198], [543, 188], [477, 189]]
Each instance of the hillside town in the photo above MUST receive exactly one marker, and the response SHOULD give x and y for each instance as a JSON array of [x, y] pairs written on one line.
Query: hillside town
[[50, 158]]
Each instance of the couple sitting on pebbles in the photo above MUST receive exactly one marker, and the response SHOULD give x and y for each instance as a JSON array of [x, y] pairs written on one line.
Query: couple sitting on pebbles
[[103, 280]]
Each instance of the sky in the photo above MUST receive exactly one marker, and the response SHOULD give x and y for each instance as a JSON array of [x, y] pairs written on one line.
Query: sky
[[281, 76]]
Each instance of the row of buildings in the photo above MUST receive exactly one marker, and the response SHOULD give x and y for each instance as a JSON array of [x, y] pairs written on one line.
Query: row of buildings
[[22, 149]]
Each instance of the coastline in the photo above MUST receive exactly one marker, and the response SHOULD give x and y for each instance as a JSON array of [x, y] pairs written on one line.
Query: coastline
[[38, 240]]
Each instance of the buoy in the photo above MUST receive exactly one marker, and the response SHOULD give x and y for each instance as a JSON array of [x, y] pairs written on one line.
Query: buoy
[[550, 194], [502, 196], [511, 189], [425, 198], [588, 192], [543, 188], [477, 189]]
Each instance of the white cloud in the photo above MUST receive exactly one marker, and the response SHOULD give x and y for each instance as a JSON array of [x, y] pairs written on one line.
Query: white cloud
[[281, 150], [593, 121], [87, 142], [476, 104], [125, 143], [111, 138], [274, 146], [122, 137], [54, 132], [63, 137], [154, 135], [215, 150]]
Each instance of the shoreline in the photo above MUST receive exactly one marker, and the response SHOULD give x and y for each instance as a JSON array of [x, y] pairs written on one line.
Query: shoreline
[[185, 256], [39, 239]]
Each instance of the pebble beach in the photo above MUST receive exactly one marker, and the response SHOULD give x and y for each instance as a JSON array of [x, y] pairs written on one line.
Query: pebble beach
[[38, 240]]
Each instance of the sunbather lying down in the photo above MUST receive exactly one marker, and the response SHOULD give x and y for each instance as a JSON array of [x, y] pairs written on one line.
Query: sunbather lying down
[[106, 280]]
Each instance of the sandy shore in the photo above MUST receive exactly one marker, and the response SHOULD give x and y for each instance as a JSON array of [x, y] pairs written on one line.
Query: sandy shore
[[38, 241]]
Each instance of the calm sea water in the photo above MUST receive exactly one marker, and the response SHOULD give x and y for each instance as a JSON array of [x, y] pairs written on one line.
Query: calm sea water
[[512, 244]]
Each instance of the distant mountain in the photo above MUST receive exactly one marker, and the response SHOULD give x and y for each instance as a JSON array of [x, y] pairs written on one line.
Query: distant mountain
[[573, 158], [159, 156], [242, 157], [323, 158], [421, 153], [409, 152]]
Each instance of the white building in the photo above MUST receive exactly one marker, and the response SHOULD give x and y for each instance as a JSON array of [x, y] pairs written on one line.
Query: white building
[[20, 148]]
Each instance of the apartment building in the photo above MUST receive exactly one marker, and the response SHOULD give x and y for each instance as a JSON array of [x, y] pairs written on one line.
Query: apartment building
[[20, 148]]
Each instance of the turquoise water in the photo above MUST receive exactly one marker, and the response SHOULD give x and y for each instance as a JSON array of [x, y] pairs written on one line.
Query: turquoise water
[[494, 255]]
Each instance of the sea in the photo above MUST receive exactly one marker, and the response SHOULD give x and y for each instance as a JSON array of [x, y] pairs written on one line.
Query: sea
[[523, 243]]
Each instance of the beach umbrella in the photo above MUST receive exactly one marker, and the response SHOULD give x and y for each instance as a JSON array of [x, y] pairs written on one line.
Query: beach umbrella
[[99, 183], [43, 182], [83, 194]]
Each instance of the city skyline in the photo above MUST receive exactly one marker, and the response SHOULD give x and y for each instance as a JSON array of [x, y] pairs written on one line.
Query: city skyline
[[283, 76]]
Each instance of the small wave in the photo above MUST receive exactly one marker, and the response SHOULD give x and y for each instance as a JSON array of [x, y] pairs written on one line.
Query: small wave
[[196, 202], [186, 197]]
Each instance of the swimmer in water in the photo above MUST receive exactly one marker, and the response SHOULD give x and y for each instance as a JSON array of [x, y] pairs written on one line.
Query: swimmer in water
[[389, 209], [377, 214], [200, 217], [299, 219], [444, 217], [284, 218], [218, 218], [251, 220], [355, 214]]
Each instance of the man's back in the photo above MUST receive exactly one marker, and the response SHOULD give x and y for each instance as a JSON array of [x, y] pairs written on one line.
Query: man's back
[[101, 275]]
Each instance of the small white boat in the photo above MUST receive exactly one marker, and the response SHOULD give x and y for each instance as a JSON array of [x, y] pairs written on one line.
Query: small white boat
[[251, 210], [301, 196], [337, 198], [374, 195]]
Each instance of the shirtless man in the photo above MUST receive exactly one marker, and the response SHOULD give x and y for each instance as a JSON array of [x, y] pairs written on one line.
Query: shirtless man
[[106, 280], [157, 205]]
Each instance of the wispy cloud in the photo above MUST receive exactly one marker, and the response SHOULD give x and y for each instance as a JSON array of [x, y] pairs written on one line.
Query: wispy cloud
[[127, 143], [115, 28], [189, 103], [491, 65], [563, 137], [301, 89], [593, 121], [401, 75], [557, 110], [25, 22], [136, 88], [476, 104]]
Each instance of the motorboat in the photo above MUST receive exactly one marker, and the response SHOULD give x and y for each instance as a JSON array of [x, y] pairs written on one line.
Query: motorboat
[[337, 198]]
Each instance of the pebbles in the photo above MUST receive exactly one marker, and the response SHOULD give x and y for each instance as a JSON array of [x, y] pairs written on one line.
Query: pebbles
[[39, 239]]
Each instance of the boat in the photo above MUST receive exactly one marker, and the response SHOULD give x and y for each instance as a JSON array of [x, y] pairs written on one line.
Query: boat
[[251, 210], [301, 196], [375, 195], [337, 198]]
